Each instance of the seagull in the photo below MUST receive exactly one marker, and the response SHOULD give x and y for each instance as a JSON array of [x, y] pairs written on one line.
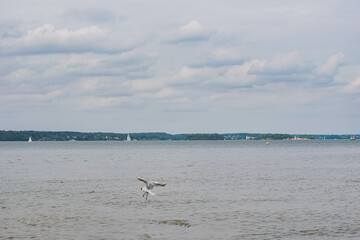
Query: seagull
[[149, 185]]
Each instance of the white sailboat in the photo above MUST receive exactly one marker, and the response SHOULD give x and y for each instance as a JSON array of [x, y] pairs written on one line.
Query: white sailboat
[[128, 138], [352, 138], [30, 140]]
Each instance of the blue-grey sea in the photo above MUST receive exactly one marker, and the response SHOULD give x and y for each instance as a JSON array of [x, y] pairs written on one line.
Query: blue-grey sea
[[215, 190]]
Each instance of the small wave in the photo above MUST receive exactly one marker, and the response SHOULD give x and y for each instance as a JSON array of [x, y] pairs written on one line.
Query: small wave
[[356, 180], [176, 222], [147, 236]]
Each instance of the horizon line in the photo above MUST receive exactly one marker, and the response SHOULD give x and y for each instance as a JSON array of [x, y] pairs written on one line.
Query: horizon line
[[226, 133]]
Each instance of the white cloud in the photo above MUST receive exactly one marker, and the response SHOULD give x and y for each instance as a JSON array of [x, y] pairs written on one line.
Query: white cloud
[[188, 73], [30, 99], [332, 64], [353, 87], [90, 84], [49, 40], [192, 29], [189, 76], [102, 102], [291, 67], [168, 93], [225, 54], [145, 85], [238, 75], [191, 32], [290, 63], [127, 65], [220, 57]]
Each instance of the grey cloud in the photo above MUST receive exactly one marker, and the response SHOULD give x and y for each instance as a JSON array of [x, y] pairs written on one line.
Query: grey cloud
[[189, 40], [36, 75], [269, 71], [10, 30], [286, 69], [91, 15], [26, 75], [217, 63], [131, 72], [127, 67], [292, 68], [9, 65], [227, 56], [220, 57]]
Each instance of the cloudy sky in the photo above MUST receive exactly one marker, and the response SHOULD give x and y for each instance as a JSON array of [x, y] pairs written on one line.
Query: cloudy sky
[[180, 66]]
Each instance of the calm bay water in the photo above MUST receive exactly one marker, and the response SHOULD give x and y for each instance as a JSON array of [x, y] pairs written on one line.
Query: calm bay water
[[215, 190]]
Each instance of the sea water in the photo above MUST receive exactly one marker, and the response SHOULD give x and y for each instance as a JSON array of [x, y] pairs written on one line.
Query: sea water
[[215, 190]]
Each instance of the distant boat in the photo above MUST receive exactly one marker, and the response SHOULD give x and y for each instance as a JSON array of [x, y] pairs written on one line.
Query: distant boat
[[30, 140], [352, 138], [128, 138]]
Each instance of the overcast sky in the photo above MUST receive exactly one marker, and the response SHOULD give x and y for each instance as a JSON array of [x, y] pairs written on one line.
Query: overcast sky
[[180, 66]]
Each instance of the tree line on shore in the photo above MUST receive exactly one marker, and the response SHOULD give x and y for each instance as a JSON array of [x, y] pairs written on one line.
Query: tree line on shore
[[150, 136], [100, 136]]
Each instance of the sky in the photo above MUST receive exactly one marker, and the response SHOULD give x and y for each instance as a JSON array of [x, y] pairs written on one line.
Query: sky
[[199, 66]]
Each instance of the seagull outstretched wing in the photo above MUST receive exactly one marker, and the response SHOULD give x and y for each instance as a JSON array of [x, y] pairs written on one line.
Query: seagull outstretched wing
[[143, 180], [151, 184], [159, 184]]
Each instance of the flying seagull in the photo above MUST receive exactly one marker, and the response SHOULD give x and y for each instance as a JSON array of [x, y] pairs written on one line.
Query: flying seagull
[[149, 185]]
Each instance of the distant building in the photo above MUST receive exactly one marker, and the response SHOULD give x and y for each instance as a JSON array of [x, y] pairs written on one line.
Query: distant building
[[300, 138], [249, 138]]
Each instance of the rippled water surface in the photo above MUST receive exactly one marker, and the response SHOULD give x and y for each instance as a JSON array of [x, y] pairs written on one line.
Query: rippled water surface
[[215, 190]]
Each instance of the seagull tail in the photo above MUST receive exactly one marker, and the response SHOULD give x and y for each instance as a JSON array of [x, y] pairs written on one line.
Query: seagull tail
[[151, 193]]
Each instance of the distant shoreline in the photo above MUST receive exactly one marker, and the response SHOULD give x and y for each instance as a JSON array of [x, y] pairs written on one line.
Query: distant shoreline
[[158, 136]]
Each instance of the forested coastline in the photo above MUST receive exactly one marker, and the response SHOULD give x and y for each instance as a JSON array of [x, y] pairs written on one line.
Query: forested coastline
[[155, 136]]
